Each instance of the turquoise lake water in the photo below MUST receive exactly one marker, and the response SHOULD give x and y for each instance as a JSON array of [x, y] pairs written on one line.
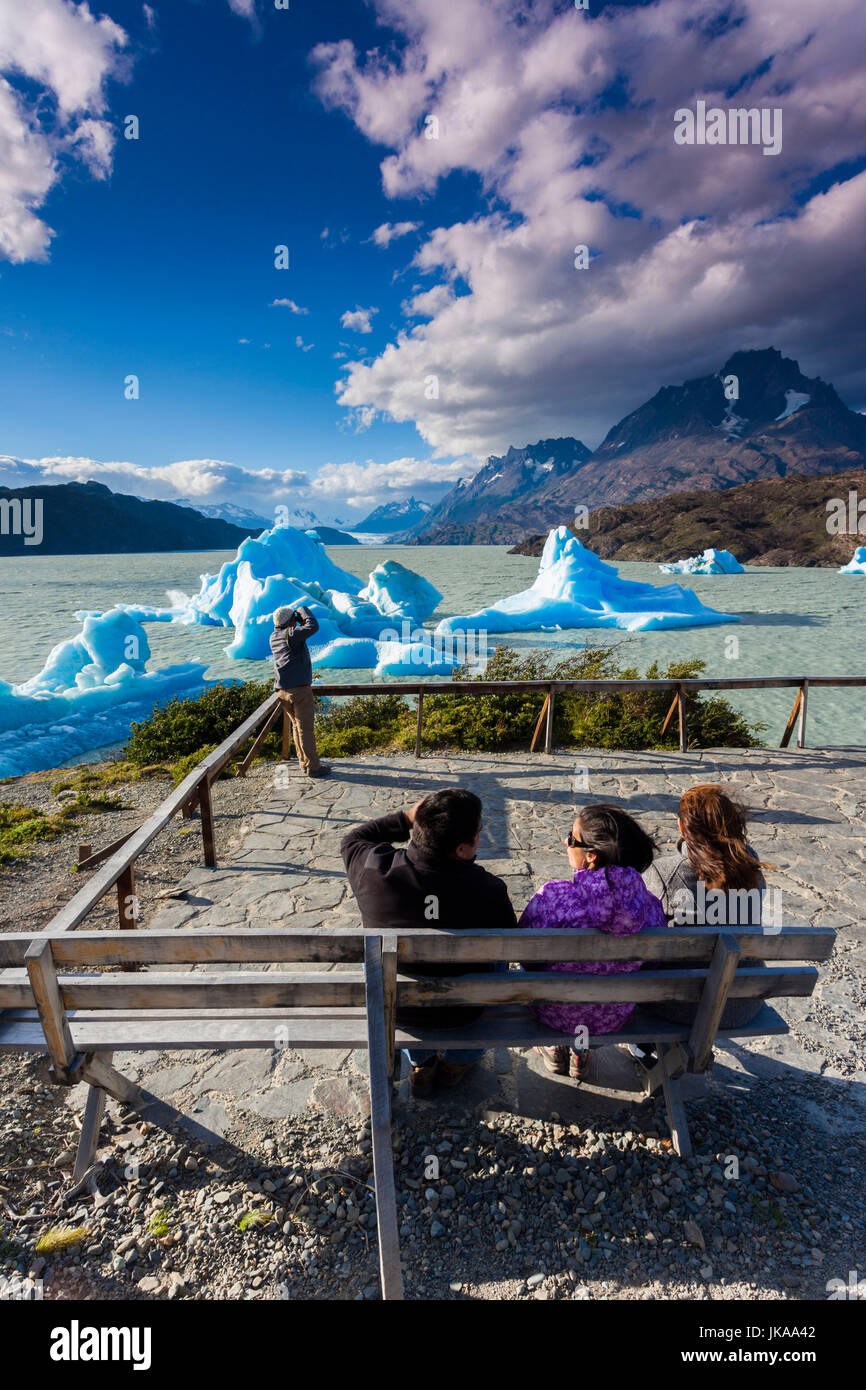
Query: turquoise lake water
[[793, 622]]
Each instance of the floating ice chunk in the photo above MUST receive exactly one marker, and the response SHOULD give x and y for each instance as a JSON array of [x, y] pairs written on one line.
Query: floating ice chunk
[[399, 593], [104, 644], [711, 562], [574, 588], [431, 656], [91, 688], [857, 564], [280, 552], [351, 652]]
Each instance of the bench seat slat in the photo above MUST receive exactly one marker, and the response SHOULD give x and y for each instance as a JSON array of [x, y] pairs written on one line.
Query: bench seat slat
[[510, 1027], [494, 1029], [273, 989], [632, 987]]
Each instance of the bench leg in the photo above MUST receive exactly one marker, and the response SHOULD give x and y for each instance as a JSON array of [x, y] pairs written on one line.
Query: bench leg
[[89, 1141], [676, 1113], [391, 1276]]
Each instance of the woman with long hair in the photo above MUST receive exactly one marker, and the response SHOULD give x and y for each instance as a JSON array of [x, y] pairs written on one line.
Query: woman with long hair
[[715, 879], [607, 851]]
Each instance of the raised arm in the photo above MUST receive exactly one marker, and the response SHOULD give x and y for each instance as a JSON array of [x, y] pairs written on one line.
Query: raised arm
[[388, 829], [307, 626]]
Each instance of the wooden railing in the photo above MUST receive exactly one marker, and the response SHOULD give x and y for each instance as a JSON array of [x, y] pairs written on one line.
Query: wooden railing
[[116, 861]]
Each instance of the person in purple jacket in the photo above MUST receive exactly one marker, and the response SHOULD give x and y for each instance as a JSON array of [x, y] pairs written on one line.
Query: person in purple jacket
[[608, 851]]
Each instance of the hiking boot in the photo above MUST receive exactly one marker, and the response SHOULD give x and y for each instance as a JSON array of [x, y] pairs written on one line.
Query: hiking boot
[[450, 1074], [323, 770], [555, 1059], [421, 1078]]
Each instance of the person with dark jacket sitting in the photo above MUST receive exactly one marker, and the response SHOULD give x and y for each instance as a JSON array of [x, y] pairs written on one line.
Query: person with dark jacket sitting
[[293, 681], [435, 881]]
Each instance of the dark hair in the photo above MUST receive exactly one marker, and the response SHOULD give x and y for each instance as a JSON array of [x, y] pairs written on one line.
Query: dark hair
[[615, 838], [445, 820], [714, 831]]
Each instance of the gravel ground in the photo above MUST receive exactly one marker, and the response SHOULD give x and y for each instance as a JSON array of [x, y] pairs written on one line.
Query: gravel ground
[[520, 1208], [35, 887]]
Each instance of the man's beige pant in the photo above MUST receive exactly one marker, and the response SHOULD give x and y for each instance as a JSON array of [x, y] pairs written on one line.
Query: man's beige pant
[[300, 706]]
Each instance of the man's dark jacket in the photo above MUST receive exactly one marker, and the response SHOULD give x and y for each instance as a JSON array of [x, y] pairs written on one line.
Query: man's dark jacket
[[292, 666], [394, 887]]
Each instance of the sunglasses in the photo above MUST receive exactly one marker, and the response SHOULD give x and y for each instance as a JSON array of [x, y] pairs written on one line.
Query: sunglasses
[[576, 844]]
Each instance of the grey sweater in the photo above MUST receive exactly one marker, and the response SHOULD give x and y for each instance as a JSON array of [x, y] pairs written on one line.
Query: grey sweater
[[292, 665], [688, 902]]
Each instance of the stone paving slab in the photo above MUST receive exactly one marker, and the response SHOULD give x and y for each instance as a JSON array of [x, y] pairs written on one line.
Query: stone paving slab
[[285, 868]]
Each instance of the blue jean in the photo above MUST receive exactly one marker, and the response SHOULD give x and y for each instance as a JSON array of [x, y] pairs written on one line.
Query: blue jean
[[460, 1056]]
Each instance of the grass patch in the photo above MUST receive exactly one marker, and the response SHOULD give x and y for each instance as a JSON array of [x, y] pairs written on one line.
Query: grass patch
[[59, 1238], [251, 1219], [161, 1223], [22, 828]]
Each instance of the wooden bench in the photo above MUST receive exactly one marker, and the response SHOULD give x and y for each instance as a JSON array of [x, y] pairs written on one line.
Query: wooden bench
[[57, 993]]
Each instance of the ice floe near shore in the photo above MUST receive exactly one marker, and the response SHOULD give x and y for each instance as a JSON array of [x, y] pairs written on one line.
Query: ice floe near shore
[[91, 688], [857, 563], [574, 588], [710, 562]]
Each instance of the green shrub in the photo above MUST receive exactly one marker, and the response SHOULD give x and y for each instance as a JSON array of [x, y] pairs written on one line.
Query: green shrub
[[182, 732], [182, 727]]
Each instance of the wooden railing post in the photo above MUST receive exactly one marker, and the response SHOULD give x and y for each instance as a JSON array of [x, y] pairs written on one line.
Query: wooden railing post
[[801, 730], [127, 907], [548, 729], [681, 709], [792, 719], [207, 831], [418, 728], [541, 717]]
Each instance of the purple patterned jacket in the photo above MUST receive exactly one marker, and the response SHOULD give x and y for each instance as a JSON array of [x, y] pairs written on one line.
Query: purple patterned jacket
[[614, 900]]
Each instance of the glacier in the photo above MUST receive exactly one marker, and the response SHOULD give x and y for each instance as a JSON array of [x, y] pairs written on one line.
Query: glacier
[[710, 562], [574, 588], [91, 688], [857, 563]]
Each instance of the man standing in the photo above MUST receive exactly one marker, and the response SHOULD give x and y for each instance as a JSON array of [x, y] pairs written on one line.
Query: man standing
[[433, 883], [293, 679]]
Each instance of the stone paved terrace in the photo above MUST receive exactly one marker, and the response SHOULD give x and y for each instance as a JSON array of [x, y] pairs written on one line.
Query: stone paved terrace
[[808, 821]]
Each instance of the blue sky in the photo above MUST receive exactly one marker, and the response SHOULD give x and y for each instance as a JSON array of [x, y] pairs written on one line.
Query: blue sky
[[261, 127]]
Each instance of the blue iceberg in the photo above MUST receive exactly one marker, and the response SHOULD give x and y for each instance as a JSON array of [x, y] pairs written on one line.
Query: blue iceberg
[[91, 688], [574, 588], [711, 562], [857, 563]]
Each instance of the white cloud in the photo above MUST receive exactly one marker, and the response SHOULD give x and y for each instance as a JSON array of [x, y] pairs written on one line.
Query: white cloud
[[287, 304], [245, 8], [358, 319], [202, 480], [243, 340], [567, 121], [390, 231], [67, 57], [364, 484], [305, 347], [216, 480]]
